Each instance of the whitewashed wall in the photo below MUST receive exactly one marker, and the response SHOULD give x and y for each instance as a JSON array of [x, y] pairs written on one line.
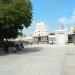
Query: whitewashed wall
[[61, 37]]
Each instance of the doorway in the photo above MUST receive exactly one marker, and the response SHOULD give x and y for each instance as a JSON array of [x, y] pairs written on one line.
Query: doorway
[[39, 40]]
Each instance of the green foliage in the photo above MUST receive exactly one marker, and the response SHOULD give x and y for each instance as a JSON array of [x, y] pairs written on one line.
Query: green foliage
[[20, 34], [14, 13]]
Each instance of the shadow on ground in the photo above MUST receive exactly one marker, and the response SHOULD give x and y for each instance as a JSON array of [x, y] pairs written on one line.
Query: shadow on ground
[[24, 51], [2, 53], [30, 50]]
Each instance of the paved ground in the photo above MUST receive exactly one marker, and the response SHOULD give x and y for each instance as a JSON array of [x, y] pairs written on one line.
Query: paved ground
[[35, 60], [70, 60]]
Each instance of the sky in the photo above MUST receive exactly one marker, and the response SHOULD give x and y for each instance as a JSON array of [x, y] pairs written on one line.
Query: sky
[[54, 13]]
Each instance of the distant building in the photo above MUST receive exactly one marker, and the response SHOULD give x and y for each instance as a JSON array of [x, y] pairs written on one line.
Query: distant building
[[72, 29], [61, 36], [27, 39], [71, 35], [52, 38], [41, 33]]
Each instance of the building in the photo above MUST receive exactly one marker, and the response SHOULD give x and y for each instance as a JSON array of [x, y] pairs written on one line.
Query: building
[[72, 29], [61, 36], [52, 38], [71, 35], [41, 34], [24, 39]]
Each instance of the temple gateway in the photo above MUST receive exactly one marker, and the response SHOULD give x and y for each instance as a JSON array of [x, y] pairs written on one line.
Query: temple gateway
[[41, 34]]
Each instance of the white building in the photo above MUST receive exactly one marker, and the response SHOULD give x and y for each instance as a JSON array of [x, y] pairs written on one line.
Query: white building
[[41, 33], [61, 36], [27, 39]]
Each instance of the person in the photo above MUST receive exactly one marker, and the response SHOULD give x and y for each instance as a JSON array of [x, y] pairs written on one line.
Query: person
[[17, 47], [21, 44]]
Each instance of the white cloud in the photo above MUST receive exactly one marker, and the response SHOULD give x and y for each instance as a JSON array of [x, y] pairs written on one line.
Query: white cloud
[[67, 20], [63, 20]]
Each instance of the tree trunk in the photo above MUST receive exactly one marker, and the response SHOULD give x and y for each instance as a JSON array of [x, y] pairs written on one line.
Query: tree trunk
[[6, 46]]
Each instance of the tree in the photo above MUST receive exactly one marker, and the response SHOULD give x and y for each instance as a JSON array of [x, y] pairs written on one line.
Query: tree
[[14, 13]]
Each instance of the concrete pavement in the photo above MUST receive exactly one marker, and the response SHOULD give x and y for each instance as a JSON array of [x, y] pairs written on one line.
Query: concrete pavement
[[70, 60], [35, 60]]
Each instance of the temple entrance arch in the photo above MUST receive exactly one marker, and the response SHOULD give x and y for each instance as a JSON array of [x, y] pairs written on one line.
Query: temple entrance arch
[[41, 33]]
